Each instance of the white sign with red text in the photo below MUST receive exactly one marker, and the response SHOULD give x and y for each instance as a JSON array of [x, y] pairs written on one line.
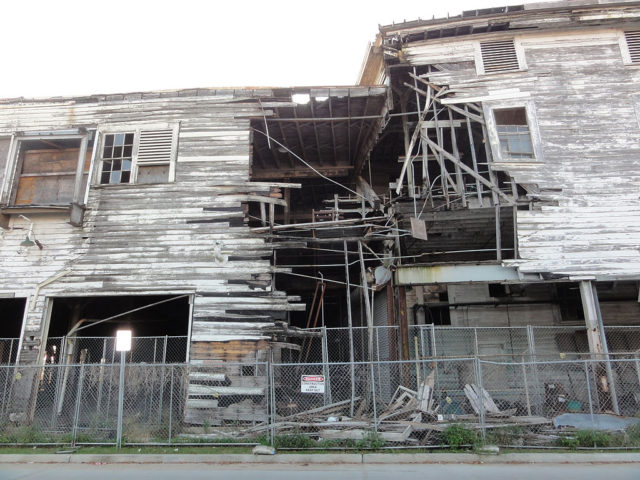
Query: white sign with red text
[[312, 384]]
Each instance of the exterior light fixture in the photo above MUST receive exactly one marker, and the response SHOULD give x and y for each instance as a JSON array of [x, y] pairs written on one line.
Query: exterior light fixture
[[27, 242], [123, 340]]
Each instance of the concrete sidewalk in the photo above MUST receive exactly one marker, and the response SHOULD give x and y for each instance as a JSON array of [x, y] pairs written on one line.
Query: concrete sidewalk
[[328, 458]]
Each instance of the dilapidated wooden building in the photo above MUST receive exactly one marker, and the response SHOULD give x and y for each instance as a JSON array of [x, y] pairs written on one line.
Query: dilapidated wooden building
[[484, 172], [520, 165]]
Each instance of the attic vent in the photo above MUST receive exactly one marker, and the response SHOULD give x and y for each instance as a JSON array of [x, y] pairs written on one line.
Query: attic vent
[[499, 56], [155, 146], [633, 44]]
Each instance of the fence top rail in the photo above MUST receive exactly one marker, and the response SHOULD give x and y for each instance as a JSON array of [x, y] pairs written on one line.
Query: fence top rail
[[576, 361], [113, 337], [143, 365], [484, 327]]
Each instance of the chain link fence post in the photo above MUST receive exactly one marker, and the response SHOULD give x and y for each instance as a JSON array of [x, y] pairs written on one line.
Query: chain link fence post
[[586, 376], [373, 399], [76, 413], [272, 393], [171, 406], [481, 407]]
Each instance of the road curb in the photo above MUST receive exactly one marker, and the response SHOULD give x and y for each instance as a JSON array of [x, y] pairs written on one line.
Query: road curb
[[329, 458]]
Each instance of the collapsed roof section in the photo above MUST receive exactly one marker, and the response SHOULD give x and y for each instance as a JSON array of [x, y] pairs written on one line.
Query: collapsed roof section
[[331, 129]]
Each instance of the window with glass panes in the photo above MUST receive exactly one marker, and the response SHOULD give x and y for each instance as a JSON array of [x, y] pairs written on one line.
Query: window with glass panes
[[117, 155], [513, 133]]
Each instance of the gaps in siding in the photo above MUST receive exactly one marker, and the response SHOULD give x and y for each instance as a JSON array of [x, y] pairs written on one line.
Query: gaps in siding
[[499, 56], [633, 45]]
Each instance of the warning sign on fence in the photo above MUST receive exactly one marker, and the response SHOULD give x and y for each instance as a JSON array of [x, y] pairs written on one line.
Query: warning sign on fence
[[312, 384]]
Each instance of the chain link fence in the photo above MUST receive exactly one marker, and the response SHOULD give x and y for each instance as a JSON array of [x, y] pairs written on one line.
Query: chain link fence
[[335, 345], [416, 403], [161, 349]]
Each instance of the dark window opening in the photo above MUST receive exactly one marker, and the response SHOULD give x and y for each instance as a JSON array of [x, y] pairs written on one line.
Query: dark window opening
[[570, 303], [12, 314], [437, 315], [498, 290], [117, 154], [159, 332]]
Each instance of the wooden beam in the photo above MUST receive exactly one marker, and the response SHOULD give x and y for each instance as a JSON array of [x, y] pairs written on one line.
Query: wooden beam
[[414, 137], [302, 172], [333, 136], [470, 171], [472, 116], [301, 140], [315, 132]]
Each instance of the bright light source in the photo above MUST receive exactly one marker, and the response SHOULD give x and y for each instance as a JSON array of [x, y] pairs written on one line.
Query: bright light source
[[301, 98], [321, 99], [123, 340]]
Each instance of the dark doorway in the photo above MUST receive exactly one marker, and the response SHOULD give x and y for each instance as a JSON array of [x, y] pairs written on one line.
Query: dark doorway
[[11, 315], [160, 331]]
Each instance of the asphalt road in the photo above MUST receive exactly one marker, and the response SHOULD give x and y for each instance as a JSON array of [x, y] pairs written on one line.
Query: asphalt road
[[317, 472]]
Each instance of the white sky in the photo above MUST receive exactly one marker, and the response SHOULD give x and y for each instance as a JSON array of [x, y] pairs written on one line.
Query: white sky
[[66, 47]]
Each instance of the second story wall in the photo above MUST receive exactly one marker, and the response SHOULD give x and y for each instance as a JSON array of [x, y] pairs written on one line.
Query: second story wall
[[579, 95], [180, 233]]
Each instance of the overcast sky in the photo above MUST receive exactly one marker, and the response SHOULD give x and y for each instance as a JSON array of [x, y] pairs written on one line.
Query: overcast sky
[[59, 47]]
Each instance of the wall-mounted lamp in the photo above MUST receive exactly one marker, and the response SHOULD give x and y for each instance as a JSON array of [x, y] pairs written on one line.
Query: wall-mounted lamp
[[28, 242]]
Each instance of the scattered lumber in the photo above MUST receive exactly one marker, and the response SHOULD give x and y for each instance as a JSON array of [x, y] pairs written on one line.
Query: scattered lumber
[[480, 400]]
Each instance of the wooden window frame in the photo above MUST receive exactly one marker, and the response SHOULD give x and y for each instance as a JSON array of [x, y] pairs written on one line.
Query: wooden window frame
[[492, 129], [136, 129], [522, 64], [8, 189]]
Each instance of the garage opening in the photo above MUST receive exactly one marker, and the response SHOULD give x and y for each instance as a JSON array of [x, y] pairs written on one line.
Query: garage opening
[[83, 329], [10, 327]]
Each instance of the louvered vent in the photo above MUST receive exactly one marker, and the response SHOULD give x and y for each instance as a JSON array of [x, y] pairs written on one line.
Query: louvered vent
[[633, 44], [499, 56], [155, 146]]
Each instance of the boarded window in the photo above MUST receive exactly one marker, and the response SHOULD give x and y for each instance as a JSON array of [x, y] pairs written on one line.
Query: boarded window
[[513, 133], [499, 56], [633, 45], [47, 170]]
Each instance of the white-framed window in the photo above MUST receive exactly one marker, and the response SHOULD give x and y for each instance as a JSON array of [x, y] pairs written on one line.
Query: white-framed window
[[137, 154], [499, 56], [630, 47], [513, 131]]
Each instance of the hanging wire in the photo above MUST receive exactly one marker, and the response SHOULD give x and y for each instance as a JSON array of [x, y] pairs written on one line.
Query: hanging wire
[[309, 165]]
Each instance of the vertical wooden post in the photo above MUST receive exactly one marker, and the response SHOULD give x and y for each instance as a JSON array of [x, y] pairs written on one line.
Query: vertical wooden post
[[596, 338], [350, 323], [367, 303], [498, 233], [404, 334], [391, 321]]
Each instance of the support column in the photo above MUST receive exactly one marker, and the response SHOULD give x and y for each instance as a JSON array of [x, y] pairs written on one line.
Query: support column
[[404, 334], [598, 343], [591, 320]]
